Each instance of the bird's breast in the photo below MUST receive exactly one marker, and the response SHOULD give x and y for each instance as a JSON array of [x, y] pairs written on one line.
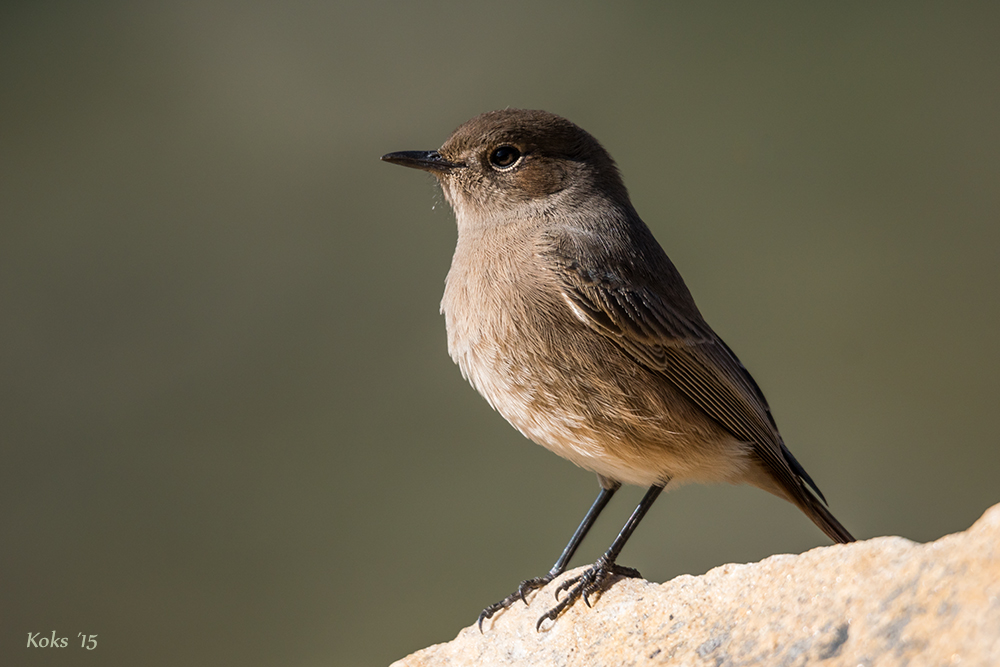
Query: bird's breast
[[520, 346], [566, 386]]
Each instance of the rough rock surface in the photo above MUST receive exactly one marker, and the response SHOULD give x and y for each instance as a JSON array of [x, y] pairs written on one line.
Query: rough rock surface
[[885, 601]]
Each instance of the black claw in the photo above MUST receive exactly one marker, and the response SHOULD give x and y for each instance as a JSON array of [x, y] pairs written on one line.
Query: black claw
[[529, 585], [595, 579], [566, 585], [550, 615], [523, 589], [488, 613]]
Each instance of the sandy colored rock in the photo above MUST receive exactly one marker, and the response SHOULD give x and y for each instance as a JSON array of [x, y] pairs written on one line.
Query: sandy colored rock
[[886, 601]]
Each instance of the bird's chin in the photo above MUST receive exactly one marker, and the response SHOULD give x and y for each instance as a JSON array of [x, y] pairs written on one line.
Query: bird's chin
[[464, 208]]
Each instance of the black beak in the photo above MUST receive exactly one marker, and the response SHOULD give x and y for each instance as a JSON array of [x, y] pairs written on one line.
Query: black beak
[[426, 160]]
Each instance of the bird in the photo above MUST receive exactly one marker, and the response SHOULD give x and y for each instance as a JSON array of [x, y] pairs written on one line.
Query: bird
[[565, 313]]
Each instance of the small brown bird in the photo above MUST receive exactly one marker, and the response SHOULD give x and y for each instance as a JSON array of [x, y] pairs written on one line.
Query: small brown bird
[[564, 312]]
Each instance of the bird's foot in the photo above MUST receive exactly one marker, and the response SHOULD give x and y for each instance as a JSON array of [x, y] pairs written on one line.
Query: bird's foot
[[523, 589], [595, 579]]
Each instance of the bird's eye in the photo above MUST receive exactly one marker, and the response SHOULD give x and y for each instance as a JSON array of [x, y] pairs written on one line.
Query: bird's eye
[[504, 157]]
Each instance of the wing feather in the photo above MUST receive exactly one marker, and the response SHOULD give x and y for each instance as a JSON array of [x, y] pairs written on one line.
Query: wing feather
[[668, 336]]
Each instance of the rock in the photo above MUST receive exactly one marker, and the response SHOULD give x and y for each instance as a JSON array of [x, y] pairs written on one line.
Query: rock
[[885, 601]]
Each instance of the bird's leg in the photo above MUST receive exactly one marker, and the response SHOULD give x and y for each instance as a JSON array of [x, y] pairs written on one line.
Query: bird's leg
[[608, 489], [599, 576]]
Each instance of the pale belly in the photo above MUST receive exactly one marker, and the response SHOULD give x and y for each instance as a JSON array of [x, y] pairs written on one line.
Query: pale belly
[[623, 435]]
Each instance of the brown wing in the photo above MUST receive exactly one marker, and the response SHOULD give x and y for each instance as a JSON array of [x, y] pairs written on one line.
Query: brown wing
[[656, 322]]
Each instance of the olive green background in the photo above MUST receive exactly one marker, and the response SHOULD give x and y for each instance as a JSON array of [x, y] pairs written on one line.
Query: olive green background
[[230, 430]]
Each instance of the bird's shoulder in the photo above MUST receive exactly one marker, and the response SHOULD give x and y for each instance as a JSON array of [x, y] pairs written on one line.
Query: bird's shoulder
[[633, 295], [618, 279]]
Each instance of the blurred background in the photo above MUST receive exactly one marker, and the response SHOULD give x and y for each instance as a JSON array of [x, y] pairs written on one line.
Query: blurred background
[[230, 429]]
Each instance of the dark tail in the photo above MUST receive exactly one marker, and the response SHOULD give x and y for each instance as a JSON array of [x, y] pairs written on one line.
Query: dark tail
[[821, 516], [814, 508]]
